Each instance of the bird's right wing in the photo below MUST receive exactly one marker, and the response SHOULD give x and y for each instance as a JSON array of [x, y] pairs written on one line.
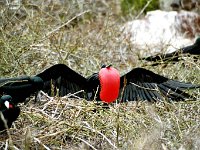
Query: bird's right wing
[[63, 79], [142, 84]]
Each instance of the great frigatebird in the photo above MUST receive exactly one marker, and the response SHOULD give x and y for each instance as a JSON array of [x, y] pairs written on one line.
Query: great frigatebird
[[20, 87], [9, 112], [174, 56], [107, 85]]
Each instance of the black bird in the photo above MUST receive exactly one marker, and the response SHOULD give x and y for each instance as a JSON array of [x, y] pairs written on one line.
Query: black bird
[[174, 56], [138, 84], [20, 87], [107, 85], [9, 112]]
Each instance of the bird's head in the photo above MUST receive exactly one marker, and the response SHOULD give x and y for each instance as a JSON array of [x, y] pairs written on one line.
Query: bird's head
[[5, 102], [109, 78], [106, 66]]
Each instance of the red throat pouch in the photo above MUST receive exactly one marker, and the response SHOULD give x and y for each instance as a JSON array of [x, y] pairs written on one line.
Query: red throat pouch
[[10, 106], [110, 84]]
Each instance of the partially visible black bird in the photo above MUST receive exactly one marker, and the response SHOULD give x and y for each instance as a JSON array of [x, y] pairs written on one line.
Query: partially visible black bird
[[174, 56], [21, 87], [9, 112], [107, 85]]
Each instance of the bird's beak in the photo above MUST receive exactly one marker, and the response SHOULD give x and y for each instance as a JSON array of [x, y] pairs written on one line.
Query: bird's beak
[[108, 65], [7, 104]]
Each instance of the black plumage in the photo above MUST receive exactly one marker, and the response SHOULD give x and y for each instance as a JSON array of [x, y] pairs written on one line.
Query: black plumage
[[20, 87], [10, 112], [68, 81], [146, 85], [138, 84], [174, 56]]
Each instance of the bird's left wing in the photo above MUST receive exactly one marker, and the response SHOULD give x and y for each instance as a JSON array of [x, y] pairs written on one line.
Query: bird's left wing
[[142, 84], [62, 78]]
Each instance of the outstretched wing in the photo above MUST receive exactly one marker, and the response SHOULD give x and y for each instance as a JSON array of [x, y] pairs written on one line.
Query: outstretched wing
[[20, 87], [174, 56], [60, 79], [142, 84], [193, 49]]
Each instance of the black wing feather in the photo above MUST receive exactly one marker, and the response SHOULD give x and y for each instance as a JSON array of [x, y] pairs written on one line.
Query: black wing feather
[[191, 49], [64, 79], [177, 91], [145, 93], [140, 94], [167, 92], [127, 94], [130, 93], [154, 91], [182, 85], [150, 86]]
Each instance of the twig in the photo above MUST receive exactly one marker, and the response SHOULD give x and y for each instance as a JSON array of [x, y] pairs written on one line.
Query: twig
[[37, 140], [93, 130], [147, 4], [144, 87], [7, 130], [86, 143], [74, 94], [64, 24], [41, 92]]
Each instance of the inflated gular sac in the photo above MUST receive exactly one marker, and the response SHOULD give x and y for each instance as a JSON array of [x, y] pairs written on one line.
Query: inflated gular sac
[[110, 84]]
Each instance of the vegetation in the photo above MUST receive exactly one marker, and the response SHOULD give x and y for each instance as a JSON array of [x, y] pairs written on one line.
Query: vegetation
[[133, 6], [37, 34]]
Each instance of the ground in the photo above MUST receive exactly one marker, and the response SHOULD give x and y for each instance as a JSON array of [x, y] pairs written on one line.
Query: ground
[[84, 36]]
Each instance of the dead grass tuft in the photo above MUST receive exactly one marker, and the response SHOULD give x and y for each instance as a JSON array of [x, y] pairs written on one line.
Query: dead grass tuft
[[84, 35]]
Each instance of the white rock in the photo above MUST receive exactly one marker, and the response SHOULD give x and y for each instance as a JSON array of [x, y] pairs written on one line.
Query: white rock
[[161, 31]]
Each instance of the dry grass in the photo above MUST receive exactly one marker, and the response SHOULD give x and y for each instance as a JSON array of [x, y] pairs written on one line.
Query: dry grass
[[84, 36]]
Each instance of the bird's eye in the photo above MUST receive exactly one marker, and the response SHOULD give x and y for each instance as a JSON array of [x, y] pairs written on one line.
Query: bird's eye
[[103, 66]]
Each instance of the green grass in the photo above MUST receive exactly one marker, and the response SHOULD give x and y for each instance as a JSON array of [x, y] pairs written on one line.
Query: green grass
[[84, 36]]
